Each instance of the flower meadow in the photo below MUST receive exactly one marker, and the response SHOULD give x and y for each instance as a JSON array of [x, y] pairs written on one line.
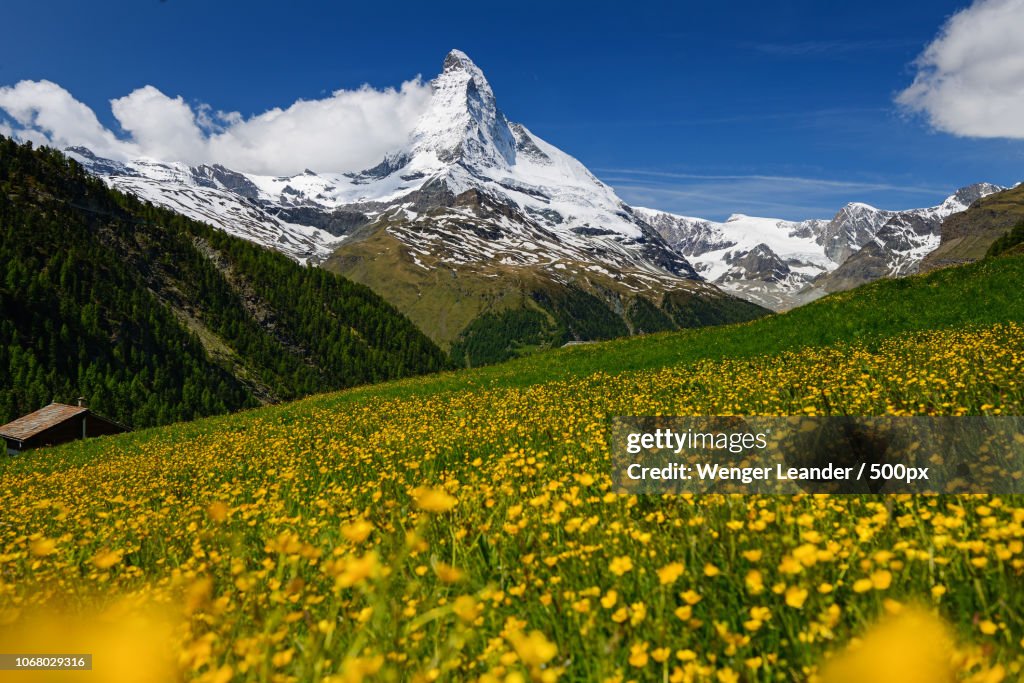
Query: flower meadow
[[470, 532]]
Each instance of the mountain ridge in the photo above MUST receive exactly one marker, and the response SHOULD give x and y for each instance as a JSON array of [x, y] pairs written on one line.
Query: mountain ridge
[[815, 256]]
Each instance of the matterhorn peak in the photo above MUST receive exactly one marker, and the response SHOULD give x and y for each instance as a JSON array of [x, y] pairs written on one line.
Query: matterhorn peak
[[459, 60], [460, 73], [463, 123]]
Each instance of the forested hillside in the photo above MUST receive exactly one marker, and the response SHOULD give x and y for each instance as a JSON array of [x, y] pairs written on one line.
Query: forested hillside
[[154, 318]]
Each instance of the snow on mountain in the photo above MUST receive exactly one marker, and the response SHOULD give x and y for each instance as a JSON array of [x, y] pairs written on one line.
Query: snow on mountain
[[544, 207], [722, 252], [780, 263], [463, 122], [214, 195], [470, 189], [898, 246], [473, 214]]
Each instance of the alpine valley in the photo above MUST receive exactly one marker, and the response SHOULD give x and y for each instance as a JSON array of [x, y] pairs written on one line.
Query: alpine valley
[[494, 242]]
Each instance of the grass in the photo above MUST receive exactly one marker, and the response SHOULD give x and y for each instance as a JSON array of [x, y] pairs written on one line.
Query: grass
[[462, 526]]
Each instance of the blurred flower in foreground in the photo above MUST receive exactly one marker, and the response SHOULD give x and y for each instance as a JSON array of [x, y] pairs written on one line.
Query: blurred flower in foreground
[[433, 500], [914, 646], [128, 645]]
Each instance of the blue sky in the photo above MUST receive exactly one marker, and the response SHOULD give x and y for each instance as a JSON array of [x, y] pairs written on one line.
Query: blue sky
[[704, 108]]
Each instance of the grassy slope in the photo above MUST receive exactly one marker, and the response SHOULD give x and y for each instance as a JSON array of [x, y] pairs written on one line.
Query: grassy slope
[[981, 293], [967, 236], [977, 294], [444, 301]]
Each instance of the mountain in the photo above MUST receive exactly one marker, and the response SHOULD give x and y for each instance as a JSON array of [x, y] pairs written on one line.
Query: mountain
[[154, 318], [765, 260], [474, 218], [218, 197], [967, 236], [779, 263], [899, 245]]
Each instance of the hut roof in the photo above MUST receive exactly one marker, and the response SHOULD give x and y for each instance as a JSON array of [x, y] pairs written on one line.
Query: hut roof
[[27, 426]]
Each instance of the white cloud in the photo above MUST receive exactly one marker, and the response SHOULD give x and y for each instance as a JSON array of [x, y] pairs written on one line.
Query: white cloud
[[162, 127], [45, 112], [349, 130], [970, 79]]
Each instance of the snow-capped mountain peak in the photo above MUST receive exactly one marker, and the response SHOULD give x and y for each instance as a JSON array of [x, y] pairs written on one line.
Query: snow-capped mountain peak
[[853, 226], [469, 187], [463, 122]]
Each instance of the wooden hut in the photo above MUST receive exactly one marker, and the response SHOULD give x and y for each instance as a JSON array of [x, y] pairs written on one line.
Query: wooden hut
[[55, 424]]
